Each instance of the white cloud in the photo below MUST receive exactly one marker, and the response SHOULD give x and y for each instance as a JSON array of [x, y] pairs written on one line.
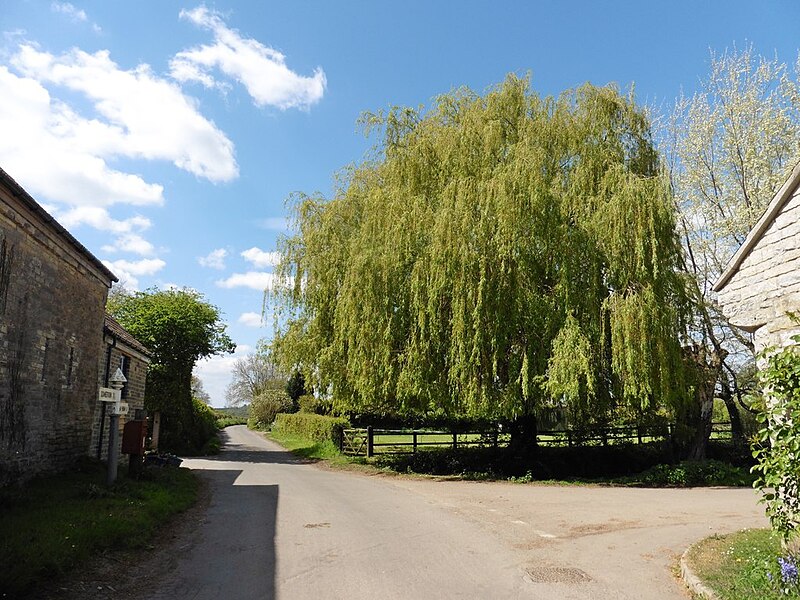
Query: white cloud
[[43, 135], [261, 69], [144, 116], [251, 319], [260, 258], [130, 242], [99, 218], [214, 260], [256, 280], [274, 223], [129, 272], [215, 372]]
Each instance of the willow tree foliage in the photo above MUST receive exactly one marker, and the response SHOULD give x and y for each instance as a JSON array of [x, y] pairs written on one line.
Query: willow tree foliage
[[500, 254], [729, 147]]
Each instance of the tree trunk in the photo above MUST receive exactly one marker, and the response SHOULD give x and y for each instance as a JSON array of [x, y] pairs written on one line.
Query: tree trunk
[[697, 420], [737, 431], [523, 431]]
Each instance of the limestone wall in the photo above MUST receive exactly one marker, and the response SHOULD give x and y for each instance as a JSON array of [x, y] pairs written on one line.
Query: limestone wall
[[767, 284], [52, 302]]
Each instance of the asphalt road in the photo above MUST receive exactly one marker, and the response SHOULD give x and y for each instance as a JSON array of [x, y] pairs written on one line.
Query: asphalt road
[[277, 527]]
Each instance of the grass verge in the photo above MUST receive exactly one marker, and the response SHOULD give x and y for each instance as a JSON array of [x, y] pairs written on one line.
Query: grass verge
[[313, 450], [735, 566], [55, 523]]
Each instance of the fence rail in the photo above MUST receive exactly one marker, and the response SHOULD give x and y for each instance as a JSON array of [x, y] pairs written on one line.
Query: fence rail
[[371, 441]]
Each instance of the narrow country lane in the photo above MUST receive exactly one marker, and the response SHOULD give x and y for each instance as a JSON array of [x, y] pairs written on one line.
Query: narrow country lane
[[277, 527]]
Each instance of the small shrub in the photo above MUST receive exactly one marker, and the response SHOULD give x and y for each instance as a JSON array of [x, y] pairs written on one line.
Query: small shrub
[[318, 428], [266, 406]]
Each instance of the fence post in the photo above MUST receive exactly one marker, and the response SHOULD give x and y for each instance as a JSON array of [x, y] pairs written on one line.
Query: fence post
[[455, 440], [370, 442], [639, 433], [496, 436], [415, 441]]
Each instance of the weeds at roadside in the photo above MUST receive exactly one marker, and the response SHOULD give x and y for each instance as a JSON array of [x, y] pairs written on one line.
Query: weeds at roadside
[[54, 523]]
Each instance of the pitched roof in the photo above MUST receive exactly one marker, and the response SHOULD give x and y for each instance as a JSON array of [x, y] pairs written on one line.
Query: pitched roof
[[112, 327], [756, 233], [19, 192]]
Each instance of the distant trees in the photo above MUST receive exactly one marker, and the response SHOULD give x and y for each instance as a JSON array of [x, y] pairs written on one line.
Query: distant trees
[[199, 391], [499, 255], [251, 376], [179, 327]]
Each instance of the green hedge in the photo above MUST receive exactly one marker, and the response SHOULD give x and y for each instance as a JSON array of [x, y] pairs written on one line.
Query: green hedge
[[318, 428]]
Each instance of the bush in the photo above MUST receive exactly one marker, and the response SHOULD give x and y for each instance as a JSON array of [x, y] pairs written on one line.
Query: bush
[[312, 405], [204, 429], [778, 447], [266, 406], [318, 428], [694, 473]]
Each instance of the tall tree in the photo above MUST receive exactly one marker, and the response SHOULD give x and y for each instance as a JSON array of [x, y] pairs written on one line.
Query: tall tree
[[500, 254], [251, 376], [729, 147], [179, 327]]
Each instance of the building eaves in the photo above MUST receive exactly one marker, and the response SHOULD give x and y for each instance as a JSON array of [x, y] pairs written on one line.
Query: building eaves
[[758, 230], [112, 327], [18, 191]]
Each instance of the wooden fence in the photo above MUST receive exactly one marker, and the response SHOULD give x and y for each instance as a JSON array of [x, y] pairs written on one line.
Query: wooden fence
[[371, 441]]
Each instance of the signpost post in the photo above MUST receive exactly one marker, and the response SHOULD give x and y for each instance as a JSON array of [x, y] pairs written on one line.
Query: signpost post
[[114, 394]]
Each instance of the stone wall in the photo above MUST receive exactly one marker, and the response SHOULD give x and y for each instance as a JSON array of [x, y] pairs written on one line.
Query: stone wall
[[52, 304], [767, 284], [111, 356]]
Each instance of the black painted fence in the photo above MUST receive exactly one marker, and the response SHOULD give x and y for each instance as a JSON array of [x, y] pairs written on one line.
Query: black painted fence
[[369, 441]]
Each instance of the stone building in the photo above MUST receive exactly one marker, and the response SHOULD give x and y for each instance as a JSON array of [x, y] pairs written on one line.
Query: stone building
[[760, 286], [52, 309], [118, 350]]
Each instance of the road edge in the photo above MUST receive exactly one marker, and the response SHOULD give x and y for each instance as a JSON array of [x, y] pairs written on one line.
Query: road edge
[[692, 581]]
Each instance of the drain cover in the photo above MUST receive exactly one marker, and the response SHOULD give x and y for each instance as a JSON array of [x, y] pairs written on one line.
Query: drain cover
[[556, 575]]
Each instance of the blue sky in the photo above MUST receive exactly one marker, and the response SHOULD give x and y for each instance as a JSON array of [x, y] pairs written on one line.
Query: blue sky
[[166, 135]]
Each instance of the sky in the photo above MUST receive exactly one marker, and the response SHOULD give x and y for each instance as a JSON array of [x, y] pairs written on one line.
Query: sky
[[167, 136]]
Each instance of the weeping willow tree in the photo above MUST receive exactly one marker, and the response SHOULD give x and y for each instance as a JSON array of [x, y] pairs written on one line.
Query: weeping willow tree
[[500, 254]]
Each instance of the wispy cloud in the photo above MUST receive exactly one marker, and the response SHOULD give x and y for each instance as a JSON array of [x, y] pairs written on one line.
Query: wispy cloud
[[260, 258], [260, 69], [274, 223], [251, 319], [214, 259], [65, 8], [74, 14], [255, 280]]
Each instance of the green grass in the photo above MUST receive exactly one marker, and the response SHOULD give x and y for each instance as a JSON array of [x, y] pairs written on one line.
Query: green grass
[[55, 523], [305, 448], [735, 566]]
